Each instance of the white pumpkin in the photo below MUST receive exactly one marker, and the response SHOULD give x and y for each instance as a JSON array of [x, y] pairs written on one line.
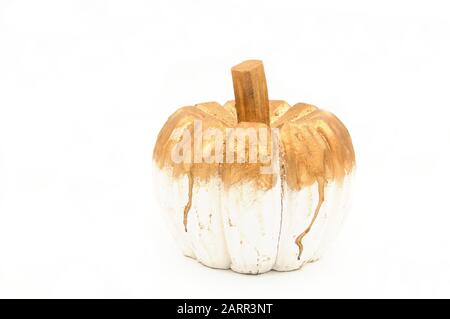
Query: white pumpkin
[[228, 211]]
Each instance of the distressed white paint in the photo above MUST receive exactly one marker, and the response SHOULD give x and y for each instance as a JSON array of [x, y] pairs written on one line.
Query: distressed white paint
[[298, 211], [247, 229], [173, 196], [205, 228], [204, 239], [252, 226]]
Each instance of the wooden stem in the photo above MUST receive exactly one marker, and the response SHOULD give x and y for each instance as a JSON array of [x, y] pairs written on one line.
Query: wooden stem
[[250, 92]]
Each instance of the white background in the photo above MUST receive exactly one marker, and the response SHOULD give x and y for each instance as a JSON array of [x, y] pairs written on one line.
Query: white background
[[85, 87]]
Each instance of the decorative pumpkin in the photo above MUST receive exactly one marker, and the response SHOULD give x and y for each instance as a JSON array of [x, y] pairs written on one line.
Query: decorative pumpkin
[[229, 211]]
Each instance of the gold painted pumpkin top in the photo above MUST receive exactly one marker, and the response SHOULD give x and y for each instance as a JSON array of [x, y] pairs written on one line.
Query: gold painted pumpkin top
[[314, 145]]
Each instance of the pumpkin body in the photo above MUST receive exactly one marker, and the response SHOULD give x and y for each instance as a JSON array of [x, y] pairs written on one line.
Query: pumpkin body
[[230, 215]]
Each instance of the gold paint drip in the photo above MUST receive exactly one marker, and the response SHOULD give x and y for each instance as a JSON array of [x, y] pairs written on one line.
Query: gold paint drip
[[189, 203], [299, 239]]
